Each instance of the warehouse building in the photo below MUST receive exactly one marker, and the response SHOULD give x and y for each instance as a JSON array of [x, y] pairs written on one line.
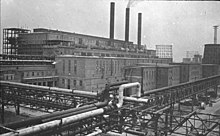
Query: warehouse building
[[92, 73], [37, 72], [189, 71]]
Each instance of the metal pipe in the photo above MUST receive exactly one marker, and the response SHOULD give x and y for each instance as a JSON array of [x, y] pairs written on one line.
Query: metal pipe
[[55, 115], [67, 114], [133, 99], [121, 92], [46, 88], [80, 92], [95, 133], [84, 92], [56, 123], [179, 85], [118, 83], [130, 131]]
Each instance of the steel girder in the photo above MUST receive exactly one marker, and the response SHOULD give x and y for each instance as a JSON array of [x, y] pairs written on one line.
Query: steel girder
[[41, 99]]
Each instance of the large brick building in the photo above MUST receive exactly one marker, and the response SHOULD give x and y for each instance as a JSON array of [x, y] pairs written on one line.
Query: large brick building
[[146, 75], [92, 73], [189, 71], [82, 61], [37, 72], [53, 42]]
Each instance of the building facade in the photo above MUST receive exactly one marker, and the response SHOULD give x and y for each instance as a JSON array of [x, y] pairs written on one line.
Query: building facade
[[210, 70], [146, 75], [92, 73], [189, 71], [53, 42], [11, 39], [37, 72], [167, 76], [164, 51], [211, 54]]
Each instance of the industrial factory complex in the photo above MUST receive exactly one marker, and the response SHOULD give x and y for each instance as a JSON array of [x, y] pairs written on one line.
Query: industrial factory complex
[[69, 60], [70, 70]]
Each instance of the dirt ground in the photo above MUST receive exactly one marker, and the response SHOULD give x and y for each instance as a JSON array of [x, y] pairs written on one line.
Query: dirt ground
[[12, 117]]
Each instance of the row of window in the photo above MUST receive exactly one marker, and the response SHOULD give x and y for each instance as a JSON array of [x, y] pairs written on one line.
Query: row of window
[[70, 66], [68, 51], [108, 67], [8, 77], [149, 74], [70, 82], [49, 83], [38, 73]]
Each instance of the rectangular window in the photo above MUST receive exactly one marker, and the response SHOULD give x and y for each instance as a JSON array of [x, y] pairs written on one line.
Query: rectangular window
[[69, 68], [80, 83], [97, 66], [103, 67], [75, 66], [68, 83], [63, 81], [97, 43], [32, 73], [80, 40], [74, 82], [63, 66], [115, 66]]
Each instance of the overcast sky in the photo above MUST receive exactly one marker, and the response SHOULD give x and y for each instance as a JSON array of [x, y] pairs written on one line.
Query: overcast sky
[[185, 25]]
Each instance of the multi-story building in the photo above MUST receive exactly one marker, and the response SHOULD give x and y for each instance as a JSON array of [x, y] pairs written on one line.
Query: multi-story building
[[37, 72], [54, 42], [11, 38], [82, 61], [164, 51], [92, 73], [195, 59]]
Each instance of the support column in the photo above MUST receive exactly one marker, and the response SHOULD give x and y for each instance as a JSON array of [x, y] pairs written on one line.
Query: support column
[[171, 115], [206, 97], [3, 106], [193, 102], [216, 90], [17, 108], [179, 108], [219, 130], [166, 123], [17, 105], [156, 124]]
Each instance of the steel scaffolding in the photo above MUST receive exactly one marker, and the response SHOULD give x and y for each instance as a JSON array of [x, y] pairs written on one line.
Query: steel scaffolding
[[10, 39]]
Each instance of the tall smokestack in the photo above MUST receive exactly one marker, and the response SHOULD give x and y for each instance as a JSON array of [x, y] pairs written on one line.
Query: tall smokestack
[[139, 31], [112, 20], [215, 34], [127, 25]]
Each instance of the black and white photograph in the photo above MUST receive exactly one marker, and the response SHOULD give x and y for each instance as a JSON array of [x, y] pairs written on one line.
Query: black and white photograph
[[109, 68]]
